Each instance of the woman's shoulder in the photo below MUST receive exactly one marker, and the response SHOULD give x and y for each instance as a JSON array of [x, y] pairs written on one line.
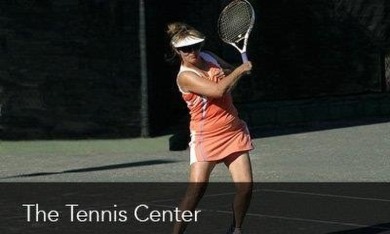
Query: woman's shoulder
[[185, 71]]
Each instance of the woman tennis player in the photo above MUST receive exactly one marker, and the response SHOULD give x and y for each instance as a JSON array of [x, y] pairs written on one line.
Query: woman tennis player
[[217, 133]]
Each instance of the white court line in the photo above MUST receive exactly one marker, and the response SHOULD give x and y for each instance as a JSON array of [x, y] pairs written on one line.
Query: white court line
[[292, 192], [308, 220], [284, 217], [356, 225], [326, 195]]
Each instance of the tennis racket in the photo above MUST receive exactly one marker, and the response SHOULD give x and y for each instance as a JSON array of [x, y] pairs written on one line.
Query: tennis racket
[[235, 23]]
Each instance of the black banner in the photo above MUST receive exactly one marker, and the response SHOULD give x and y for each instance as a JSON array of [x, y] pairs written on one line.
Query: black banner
[[152, 208]]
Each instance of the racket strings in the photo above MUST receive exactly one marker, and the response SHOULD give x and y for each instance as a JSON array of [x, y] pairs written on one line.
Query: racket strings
[[235, 21]]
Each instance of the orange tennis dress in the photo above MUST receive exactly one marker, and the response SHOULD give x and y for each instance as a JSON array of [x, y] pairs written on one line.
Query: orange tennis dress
[[216, 130]]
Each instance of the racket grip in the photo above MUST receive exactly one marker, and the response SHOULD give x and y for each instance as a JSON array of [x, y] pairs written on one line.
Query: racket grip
[[244, 60], [244, 57]]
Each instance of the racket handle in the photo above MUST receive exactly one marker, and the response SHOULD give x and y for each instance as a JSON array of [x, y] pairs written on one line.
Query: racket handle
[[244, 60], [244, 57]]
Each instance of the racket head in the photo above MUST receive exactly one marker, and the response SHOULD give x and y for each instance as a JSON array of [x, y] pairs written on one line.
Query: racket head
[[236, 21]]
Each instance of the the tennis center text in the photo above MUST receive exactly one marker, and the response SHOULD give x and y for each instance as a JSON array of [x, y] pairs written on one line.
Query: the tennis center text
[[77, 213]]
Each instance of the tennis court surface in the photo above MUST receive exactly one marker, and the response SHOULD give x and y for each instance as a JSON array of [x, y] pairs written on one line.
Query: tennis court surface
[[342, 174]]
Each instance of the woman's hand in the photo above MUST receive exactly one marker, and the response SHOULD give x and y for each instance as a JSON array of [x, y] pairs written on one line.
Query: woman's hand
[[245, 67], [217, 72]]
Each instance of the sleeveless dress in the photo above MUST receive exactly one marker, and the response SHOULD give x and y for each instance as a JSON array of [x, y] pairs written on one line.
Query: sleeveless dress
[[216, 130]]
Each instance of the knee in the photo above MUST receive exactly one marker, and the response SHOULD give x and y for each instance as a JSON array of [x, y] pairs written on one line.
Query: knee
[[196, 190], [244, 189]]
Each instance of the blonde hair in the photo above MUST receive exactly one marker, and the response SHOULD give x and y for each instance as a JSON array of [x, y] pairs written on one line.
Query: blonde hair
[[178, 31]]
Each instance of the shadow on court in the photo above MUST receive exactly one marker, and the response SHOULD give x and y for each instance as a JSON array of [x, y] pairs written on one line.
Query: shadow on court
[[315, 126], [92, 169], [379, 228], [180, 138]]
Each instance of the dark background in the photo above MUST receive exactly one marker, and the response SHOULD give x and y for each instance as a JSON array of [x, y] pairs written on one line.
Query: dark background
[[71, 68]]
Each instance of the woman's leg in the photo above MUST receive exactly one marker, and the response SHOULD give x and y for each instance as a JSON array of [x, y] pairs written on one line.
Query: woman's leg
[[241, 170], [199, 177]]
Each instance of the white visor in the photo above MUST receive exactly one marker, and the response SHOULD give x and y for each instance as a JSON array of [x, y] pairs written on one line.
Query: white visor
[[190, 40]]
